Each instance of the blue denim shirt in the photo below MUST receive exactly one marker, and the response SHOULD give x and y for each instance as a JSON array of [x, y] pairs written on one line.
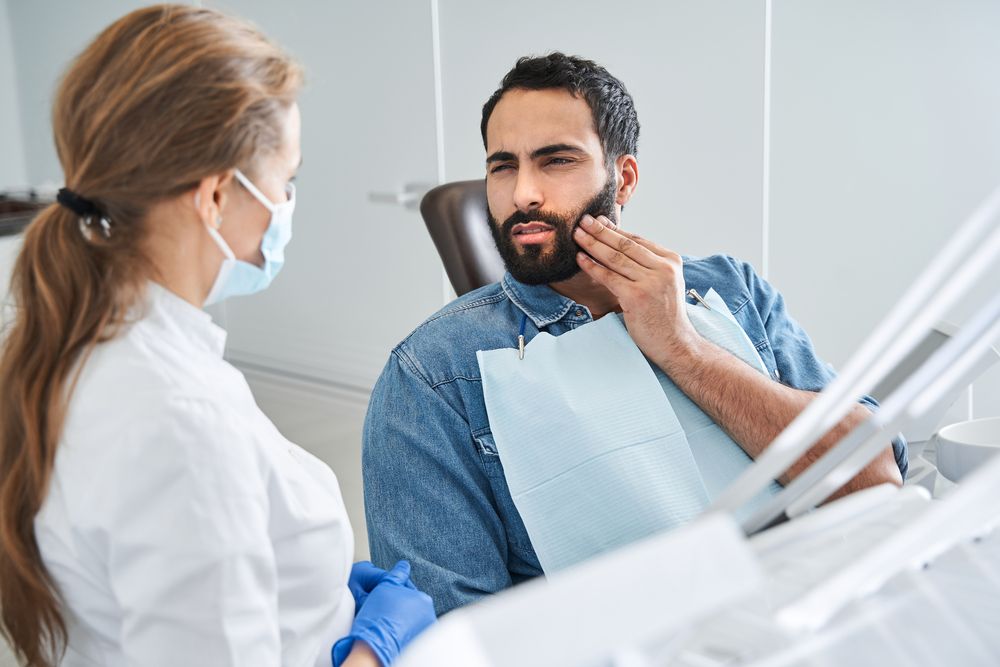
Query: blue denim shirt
[[435, 491]]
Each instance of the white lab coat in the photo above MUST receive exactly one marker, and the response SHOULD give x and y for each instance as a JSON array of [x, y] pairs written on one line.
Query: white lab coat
[[180, 527]]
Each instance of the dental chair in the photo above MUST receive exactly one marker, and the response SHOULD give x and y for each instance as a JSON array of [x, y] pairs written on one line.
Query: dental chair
[[456, 217]]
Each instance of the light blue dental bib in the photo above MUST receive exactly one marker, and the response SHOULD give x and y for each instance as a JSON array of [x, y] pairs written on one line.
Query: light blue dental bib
[[599, 447]]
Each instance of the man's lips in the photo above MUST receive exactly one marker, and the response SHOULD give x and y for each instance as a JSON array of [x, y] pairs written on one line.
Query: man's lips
[[531, 232], [530, 228]]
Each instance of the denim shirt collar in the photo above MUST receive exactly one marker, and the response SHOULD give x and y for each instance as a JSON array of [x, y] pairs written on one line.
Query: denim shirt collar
[[542, 304]]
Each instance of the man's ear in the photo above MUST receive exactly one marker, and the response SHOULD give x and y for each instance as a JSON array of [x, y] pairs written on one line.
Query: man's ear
[[210, 196], [627, 177]]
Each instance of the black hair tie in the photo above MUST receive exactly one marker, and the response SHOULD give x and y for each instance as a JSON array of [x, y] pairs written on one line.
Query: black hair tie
[[80, 205]]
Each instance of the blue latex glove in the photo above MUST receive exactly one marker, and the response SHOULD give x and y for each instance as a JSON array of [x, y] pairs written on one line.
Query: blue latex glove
[[364, 578], [393, 613]]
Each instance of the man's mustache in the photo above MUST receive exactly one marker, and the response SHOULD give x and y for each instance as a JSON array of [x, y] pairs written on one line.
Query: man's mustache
[[520, 217]]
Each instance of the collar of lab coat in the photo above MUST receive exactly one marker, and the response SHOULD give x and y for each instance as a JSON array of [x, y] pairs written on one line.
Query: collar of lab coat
[[194, 324]]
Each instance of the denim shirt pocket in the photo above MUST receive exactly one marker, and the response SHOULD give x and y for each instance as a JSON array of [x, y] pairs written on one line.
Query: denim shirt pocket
[[517, 534], [767, 356], [748, 318], [488, 454]]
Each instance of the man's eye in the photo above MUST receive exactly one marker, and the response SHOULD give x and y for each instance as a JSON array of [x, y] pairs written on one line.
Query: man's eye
[[560, 160], [500, 167]]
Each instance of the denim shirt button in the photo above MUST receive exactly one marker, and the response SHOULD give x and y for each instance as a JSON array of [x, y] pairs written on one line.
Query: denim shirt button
[[579, 312]]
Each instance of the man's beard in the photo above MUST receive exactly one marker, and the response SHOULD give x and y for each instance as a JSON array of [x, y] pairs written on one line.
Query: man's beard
[[527, 264]]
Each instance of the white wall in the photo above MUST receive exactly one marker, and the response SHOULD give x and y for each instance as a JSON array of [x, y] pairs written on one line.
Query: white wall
[[359, 276], [885, 133], [47, 34], [13, 171]]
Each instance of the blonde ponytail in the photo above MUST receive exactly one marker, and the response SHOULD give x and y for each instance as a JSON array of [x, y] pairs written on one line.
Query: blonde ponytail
[[162, 98]]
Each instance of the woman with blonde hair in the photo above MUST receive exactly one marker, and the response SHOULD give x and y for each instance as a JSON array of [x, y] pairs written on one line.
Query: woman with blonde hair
[[150, 514]]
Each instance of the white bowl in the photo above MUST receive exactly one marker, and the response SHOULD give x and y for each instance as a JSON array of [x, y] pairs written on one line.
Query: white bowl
[[963, 447]]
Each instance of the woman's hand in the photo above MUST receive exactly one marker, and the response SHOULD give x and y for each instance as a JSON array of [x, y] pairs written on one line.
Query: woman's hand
[[365, 576], [391, 615]]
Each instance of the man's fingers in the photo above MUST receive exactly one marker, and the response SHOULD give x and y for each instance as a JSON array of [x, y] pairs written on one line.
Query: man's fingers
[[612, 259], [654, 248], [608, 233], [613, 250], [615, 282]]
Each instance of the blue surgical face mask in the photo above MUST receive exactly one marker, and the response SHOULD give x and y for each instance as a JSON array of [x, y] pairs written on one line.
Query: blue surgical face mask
[[236, 277]]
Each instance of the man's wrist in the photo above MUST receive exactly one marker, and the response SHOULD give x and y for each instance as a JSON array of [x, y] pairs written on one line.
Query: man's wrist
[[680, 352]]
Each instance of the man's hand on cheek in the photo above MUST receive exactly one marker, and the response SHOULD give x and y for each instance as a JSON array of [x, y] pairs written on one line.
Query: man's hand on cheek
[[648, 281]]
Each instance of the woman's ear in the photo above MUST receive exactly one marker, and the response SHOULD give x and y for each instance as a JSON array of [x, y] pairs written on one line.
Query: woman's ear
[[223, 186], [204, 202], [627, 177], [210, 196]]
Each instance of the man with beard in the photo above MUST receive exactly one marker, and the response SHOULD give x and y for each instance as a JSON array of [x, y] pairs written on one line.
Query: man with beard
[[560, 136]]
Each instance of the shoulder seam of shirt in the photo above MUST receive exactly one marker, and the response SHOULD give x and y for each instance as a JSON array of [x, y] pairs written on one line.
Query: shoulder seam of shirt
[[405, 360], [479, 303], [452, 309], [410, 366]]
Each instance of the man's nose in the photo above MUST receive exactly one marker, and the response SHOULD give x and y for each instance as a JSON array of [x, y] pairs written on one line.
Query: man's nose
[[527, 191]]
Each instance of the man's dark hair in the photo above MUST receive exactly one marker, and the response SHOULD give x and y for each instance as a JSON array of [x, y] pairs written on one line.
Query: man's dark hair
[[615, 119]]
